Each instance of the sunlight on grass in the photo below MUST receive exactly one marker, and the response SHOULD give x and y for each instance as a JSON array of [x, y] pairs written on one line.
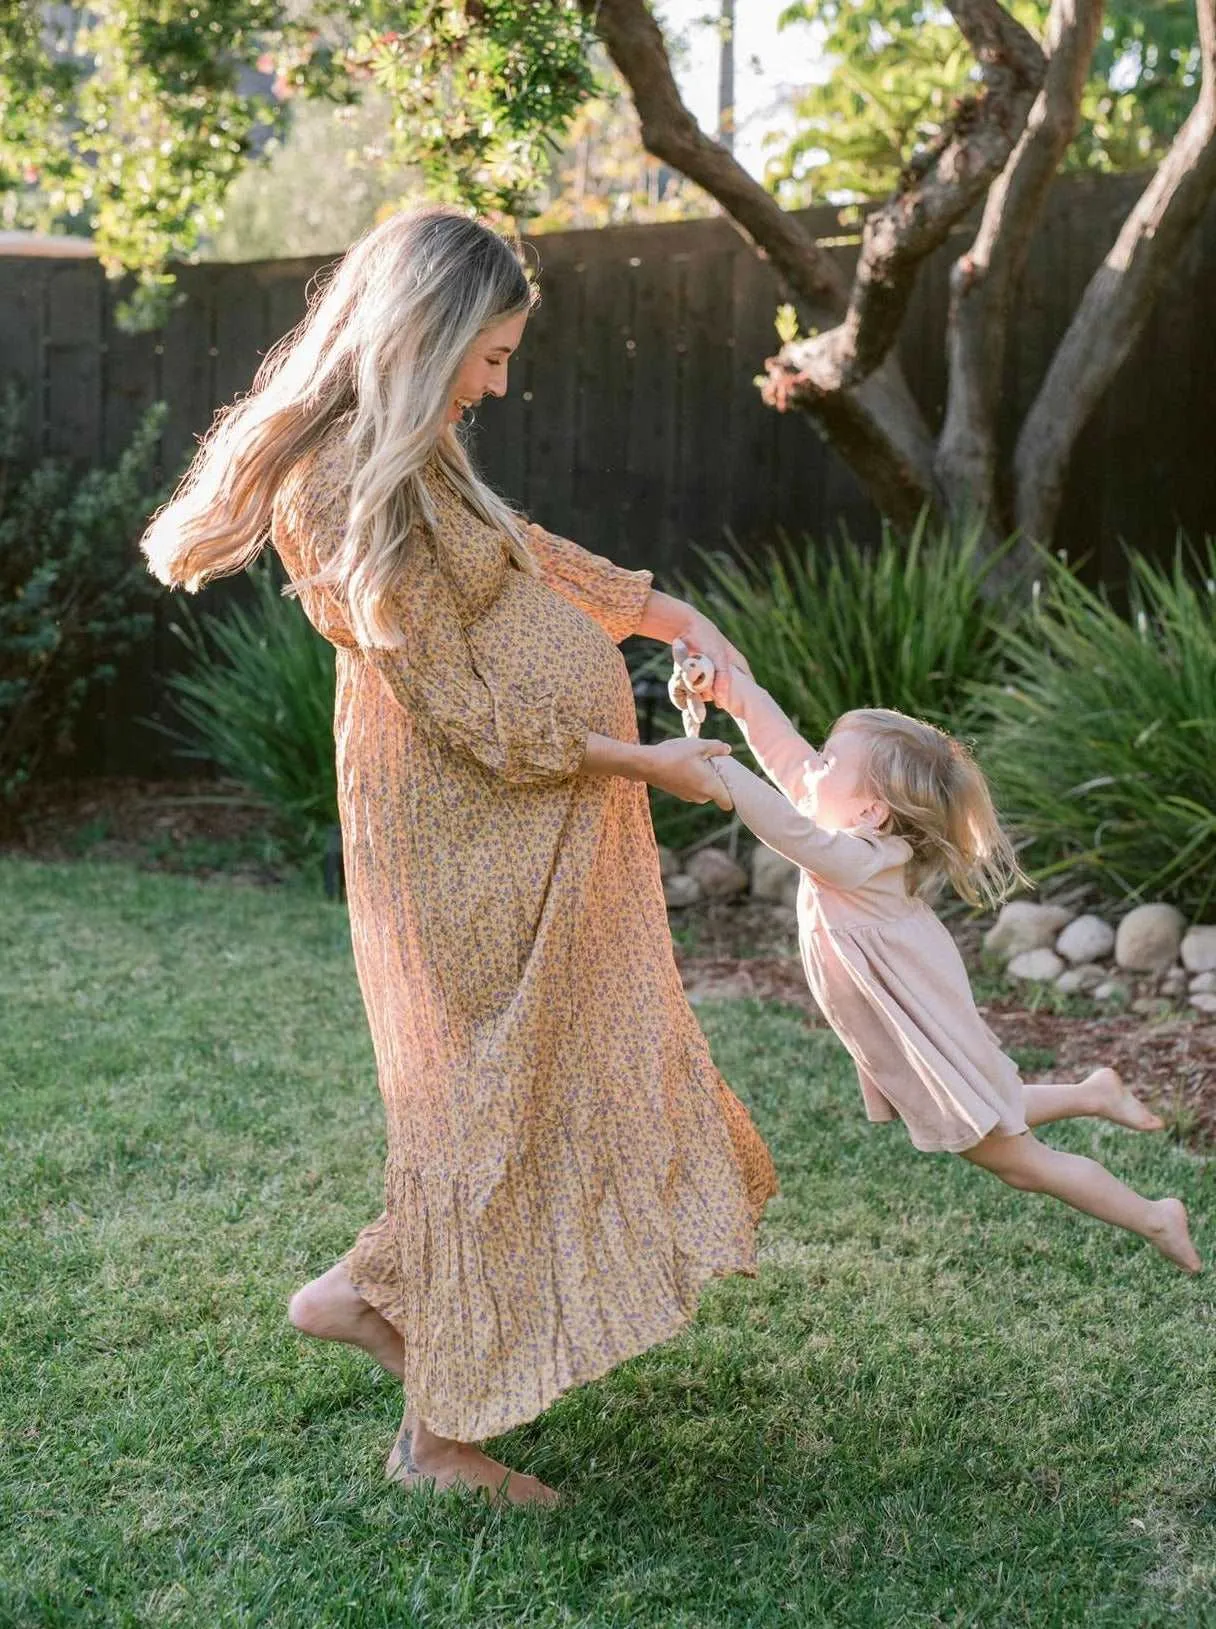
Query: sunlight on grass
[[940, 1402]]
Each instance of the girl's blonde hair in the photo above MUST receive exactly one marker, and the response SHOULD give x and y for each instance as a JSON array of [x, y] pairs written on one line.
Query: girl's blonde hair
[[940, 805], [377, 356]]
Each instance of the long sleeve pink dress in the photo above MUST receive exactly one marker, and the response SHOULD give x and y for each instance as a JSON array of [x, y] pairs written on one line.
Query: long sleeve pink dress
[[884, 970], [566, 1168]]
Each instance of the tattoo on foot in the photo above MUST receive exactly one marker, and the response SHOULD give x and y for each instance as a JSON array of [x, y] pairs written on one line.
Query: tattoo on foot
[[405, 1452]]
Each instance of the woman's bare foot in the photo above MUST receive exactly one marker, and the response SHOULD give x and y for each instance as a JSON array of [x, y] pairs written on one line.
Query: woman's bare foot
[[419, 1456], [1173, 1237], [1113, 1101], [331, 1309]]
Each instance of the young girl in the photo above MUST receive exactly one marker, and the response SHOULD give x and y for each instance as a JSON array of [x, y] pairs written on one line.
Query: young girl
[[889, 809]]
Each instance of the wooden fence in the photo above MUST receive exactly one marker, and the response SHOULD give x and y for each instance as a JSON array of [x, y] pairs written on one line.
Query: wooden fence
[[633, 424]]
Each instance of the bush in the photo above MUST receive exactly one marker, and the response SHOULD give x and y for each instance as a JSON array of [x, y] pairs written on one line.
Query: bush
[[826, 628], [908, 624], [1102, 742], [74, 593], [259, 700]]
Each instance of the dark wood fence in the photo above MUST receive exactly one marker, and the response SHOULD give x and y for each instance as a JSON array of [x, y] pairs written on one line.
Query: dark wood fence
[[633, 424]]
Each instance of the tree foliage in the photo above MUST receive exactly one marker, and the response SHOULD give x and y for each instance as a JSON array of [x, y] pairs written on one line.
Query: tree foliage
[[898, 69], [133, 124]]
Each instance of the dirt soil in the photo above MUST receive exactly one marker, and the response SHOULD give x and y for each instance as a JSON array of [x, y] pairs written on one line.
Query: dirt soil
[[733, 950]]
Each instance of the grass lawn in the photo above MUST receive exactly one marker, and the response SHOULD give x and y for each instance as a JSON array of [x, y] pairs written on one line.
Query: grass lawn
[[941, 1403]]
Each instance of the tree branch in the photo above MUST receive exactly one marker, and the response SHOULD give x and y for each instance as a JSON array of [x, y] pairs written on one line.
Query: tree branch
[[935, 193], [982, 281], [1117, 302], [670, 133], [878, 429]]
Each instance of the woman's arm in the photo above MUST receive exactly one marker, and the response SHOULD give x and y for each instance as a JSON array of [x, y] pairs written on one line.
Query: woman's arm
[[669, 619], [683, 768]]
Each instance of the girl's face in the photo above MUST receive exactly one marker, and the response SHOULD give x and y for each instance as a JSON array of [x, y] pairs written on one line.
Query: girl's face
[[484, 369], [836, 783]]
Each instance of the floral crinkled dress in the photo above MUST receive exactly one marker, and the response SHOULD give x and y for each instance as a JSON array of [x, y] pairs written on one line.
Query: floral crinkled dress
[[565, 1167]]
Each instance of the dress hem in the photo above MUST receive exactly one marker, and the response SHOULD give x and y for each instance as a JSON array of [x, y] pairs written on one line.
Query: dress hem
[[482, 1432]]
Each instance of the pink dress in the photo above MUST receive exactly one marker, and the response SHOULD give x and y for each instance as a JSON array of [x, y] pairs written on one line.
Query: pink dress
[[885, 972]]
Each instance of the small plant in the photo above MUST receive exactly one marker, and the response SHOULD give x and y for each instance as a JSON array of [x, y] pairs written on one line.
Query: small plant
[[259, 703], [74, 594], [909, 624], [1102, 739]]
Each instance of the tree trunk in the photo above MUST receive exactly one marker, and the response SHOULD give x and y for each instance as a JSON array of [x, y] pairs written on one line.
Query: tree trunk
[[1117, 302]]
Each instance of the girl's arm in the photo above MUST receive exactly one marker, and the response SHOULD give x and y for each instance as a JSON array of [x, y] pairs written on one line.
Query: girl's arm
[[841, 859], [780, 751]]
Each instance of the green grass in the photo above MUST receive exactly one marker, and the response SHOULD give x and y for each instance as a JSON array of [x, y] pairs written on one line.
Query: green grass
[[942, 1403]]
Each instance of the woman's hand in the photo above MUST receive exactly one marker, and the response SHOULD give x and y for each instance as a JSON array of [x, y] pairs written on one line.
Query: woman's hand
[[684, 769], [670, 619], [704, 639]]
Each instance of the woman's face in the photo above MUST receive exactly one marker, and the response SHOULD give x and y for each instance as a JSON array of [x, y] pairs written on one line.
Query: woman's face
[[484, 369]]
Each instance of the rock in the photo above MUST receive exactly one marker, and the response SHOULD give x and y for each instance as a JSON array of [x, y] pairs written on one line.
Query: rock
[[1086, 939], [720, 877], [682, 890], [1042, 964], [1149, 938], [1151, 1006], [669, 866], [774, 877], [1080, 980], [1174, 982], [1205, 1001], [1023, 926], [1203, 984], [1199, 950], [1111, 990]]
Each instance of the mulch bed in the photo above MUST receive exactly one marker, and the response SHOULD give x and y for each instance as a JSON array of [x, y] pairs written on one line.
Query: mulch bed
[[731, 950]]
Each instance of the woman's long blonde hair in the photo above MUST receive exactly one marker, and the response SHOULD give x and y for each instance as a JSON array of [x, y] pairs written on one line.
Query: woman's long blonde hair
[[940, 805], [377, 354]]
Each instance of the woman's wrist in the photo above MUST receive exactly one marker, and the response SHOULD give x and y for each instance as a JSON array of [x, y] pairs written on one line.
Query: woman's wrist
[[605, 755], [666, 618]]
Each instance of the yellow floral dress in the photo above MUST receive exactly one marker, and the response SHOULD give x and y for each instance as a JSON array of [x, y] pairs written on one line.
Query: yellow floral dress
[[566, 1167]]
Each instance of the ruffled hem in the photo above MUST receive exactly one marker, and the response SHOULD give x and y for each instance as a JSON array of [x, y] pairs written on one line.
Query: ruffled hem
[[488, 1422], [510, 1288]]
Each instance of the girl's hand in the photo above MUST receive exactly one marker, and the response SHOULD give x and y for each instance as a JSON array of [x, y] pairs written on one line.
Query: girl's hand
[[704, 639], [683, 768]]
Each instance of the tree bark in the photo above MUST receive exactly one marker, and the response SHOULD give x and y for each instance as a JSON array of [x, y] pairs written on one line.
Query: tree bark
[[901, 233], [878, 429], [1117, 302], [982, 281]]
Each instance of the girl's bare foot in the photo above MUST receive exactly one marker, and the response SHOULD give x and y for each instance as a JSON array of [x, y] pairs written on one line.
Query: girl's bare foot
[[419, 1456], [1172, 1236], [1113, 1101], [331, 1309]]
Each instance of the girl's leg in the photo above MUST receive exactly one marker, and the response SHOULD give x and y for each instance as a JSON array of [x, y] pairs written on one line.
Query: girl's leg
[[1023, 1162], [331, 1309], [419, 1456], [1101, 1094]]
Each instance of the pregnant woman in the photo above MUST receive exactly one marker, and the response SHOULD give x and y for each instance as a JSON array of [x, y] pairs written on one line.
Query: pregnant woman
[[565, 1168]]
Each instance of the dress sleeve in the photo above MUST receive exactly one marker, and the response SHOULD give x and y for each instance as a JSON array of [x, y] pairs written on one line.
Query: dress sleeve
[[778, 748], [612, 596], [842, 859], [472, 689]]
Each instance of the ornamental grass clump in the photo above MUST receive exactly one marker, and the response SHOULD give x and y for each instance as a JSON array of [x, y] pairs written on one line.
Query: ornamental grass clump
[[1101, 739], [909, 623], [258, 700]]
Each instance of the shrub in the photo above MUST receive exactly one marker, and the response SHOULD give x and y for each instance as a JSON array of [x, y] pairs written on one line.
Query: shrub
[[74, 594], [826, 628], [1102, 742], [909, 624], [259, 703]]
